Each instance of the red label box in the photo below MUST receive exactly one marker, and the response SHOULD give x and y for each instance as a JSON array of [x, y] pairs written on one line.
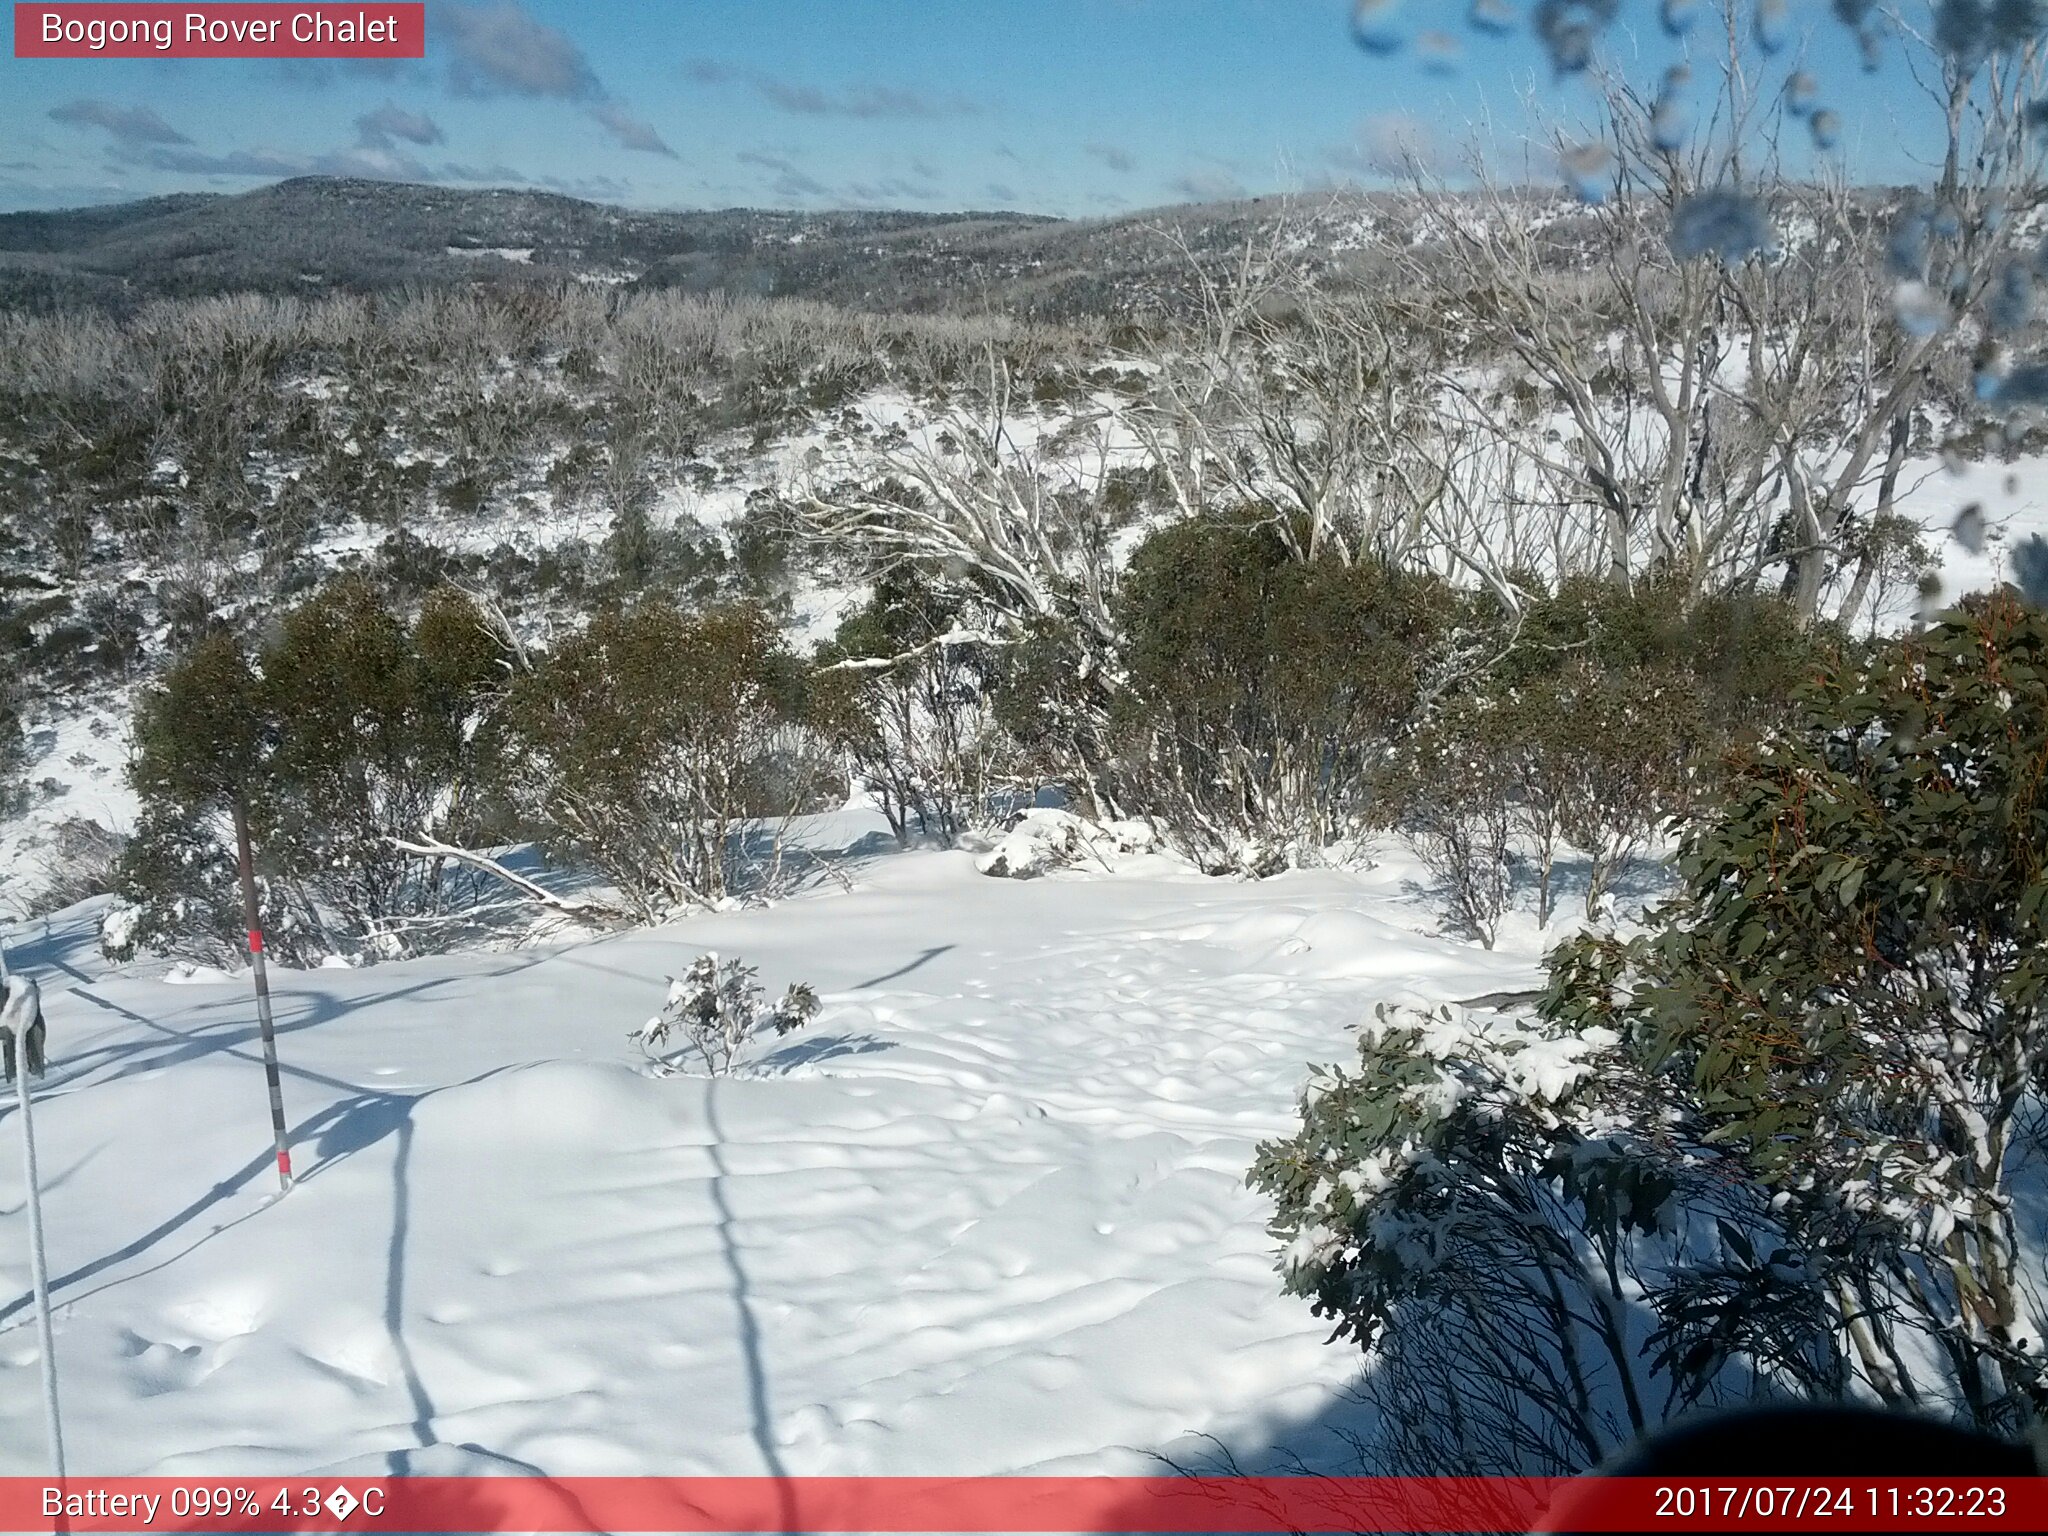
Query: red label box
[[367, 29]]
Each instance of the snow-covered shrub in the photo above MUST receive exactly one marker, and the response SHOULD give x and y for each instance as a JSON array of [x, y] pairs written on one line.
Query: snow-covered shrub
[[1518, 1224], [181, 897], [83, 860], [1038, 842], [715, 1008]]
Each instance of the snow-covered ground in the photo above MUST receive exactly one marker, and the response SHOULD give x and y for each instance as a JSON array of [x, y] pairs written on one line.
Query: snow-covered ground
[[986, 1215]]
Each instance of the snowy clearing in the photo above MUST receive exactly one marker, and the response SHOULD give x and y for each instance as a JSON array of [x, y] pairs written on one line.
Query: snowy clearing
[[986, 1215]]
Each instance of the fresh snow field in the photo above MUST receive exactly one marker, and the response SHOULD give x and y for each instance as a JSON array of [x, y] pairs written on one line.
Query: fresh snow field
[[986, 1215]]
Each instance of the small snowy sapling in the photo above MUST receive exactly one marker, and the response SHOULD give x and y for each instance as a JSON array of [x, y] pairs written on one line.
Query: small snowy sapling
[[716, 1006]]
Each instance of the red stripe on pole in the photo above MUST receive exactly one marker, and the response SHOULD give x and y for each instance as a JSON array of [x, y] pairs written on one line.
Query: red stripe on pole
[[284, 1162], [255, 941], [1177, 1505]]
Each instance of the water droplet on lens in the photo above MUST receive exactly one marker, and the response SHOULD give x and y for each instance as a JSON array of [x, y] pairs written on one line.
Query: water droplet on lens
[[1671, 118], [1440, 52], [2030, 569], [1827, 129], [1495, 16], [1968, 528], [1680, 16], [1588, 170], [1919, 309], [1802, 90], [1730, 225], [1569, 28], [2011, 304], [1376, 25], [1930, 598], [1906, 247], [1773, 25]]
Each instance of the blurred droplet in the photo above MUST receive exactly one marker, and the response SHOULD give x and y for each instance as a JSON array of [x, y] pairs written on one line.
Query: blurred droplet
[[2011, 304], [2013, 24], [1730, 225], [1871, 47], [1930, 604], [1802, 92], [1588, 170], [1680, 16], [1968, 528], [1947, 222], [1376, 25], [1773, 25], [2030, 569], [2026, 385], [1906, 247], [1440, 52], [1962, 29], [1854, 12], [1919, 309], [2012, 485], [1954, 463], [1568, 30], [1671, 118], [1827, 129], [1495, 16]]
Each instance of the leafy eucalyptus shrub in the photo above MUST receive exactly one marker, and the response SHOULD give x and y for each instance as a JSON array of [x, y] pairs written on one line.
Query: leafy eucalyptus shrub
[[1261, 690], [1771, 1147], [664, 747]]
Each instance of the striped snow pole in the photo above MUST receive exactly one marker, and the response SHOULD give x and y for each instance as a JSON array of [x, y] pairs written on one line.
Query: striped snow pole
[[253, 920], [38, 1260]]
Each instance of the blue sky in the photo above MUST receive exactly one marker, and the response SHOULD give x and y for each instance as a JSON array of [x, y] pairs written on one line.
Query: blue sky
[[1075, 107]]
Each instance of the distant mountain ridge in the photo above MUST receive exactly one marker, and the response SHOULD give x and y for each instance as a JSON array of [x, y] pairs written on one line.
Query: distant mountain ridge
[[323, 234]]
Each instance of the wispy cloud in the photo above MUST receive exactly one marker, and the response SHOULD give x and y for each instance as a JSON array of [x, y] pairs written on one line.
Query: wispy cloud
[[1208, 187], [871, 101], [792, 181], [1386, 144], [128, 125], [1115, 156], [630, 131], [268, 164], [377, 129], [502, 49]]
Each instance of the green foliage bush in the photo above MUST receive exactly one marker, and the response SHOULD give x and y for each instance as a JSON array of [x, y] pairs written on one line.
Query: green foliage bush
[[1262, 691], [1777, 1145], [351, 729], [651, 743], [914, 709]]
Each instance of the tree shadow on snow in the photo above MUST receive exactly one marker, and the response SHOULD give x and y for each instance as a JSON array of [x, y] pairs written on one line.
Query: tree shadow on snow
[[820, 1048]]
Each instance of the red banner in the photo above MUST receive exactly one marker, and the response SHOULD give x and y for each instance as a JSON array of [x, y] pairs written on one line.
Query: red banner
[[1023, 1504], [203, 31]]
